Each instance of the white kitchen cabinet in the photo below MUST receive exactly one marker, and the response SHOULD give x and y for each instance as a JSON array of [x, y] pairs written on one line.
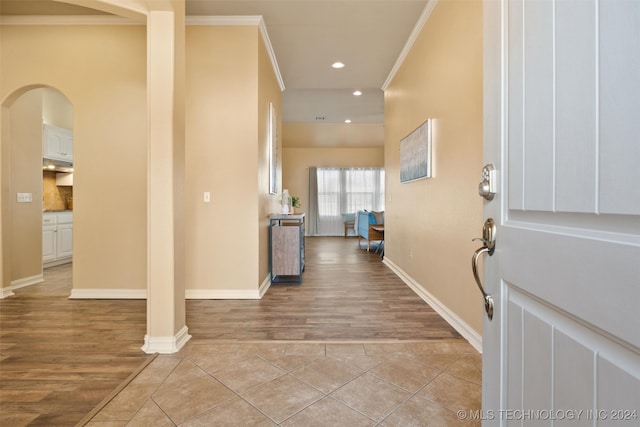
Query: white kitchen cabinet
[[57, 238], [57, 143], [48, 243], [64, 241]]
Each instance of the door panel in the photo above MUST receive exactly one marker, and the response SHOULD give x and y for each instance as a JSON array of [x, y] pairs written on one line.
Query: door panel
[[572, 389], [618, 389], [569, 102], [562, 127], [619, 86], [536, 134], [593, 279], [575, 106], [537, 362], [565, 366]]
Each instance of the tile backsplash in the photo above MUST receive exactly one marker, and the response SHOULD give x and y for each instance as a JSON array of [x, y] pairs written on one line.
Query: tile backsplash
[[54, 198]]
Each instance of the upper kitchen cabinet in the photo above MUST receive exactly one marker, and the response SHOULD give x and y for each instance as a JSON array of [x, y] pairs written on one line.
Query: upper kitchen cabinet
[[57, 143]]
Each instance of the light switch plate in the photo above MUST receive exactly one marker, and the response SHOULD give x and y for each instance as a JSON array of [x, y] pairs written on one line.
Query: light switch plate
[[207, 197], [25, 197]]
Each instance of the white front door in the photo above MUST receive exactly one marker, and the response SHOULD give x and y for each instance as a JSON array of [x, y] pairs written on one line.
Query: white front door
[[562, 127]]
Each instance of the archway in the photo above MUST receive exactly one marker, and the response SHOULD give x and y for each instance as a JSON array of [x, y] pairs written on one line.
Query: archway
[[23, 114]]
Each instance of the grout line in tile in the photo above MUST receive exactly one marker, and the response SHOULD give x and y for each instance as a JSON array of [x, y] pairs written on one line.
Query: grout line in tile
[[384, 356], [116, 391]]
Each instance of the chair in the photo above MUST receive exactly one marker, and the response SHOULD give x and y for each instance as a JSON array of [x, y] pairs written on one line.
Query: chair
[[349, 223], [366, 221]]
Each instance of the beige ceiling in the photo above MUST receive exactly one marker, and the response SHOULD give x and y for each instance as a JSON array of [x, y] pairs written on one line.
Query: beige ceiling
[[307, 36]]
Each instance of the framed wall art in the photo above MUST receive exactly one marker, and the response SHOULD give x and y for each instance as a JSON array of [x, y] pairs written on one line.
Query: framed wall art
[[273, 150], [415, 154]]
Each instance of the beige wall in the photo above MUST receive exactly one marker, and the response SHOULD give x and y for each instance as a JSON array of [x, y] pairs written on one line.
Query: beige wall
[[268, 92], [107, 88], [297, 161], [229, 86], [230, 82], [26, 218], [430, 222]]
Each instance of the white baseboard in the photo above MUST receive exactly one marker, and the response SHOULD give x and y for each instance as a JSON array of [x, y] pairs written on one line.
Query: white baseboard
[[108, 294], [60, 261], [264, 287], [166, 345], [20, 283], [27, 281], [221, 294], [6, 292], [189, 293], [230, 293], [453, 319]]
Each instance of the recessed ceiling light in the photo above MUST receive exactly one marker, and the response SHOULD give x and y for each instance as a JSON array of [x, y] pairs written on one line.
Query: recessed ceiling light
[[348, 121], [337, 65], [357, 93]]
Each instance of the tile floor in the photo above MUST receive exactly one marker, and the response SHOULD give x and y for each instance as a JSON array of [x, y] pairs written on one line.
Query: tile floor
[[416, 383]]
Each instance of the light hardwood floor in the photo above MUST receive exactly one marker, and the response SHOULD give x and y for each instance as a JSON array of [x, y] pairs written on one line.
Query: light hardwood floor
[[60, 357]]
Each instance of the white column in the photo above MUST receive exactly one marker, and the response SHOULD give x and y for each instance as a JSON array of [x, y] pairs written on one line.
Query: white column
[[166, 329]]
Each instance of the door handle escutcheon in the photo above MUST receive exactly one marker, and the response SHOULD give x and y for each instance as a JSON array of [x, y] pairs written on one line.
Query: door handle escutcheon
[[488, 245]]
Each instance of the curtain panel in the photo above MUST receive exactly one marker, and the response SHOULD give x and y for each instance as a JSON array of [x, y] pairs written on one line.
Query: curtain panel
[[336, 192]]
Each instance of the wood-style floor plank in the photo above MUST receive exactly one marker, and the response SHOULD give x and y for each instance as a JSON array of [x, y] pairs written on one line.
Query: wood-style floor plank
[[59, 358], [347, 294]]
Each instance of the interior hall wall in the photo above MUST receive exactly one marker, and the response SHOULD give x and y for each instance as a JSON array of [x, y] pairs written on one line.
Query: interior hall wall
[[268, 92], [107, 87], [222, 158], [298, 160], [429, 223]]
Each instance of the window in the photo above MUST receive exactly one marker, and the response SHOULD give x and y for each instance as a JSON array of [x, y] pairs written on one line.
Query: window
[[347, 190]]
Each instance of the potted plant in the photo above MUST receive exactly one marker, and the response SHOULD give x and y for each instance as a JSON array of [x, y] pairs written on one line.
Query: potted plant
[[295, 203]]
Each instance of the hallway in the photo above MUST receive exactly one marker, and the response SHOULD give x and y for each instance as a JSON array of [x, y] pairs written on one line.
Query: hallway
[[351, 342]]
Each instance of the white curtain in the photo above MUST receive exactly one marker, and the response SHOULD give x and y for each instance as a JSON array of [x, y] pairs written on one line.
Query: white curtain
[[342, 191]]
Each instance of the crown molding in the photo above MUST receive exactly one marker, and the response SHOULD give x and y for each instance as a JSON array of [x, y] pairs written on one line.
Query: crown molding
[[66, 20], [117, 20], [223, 20], [243, 20], [424, 17]]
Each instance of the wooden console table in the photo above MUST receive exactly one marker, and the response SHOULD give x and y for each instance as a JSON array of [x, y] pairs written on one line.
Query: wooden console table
[[286, 248]]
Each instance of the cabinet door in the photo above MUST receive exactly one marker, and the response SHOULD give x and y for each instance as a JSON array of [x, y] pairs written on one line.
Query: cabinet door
[[48, 243], [57, 143], [64, 241], [66, 146], [285, 251]]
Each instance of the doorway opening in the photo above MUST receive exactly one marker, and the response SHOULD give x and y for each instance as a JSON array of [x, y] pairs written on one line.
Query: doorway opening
[[37, 169]]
